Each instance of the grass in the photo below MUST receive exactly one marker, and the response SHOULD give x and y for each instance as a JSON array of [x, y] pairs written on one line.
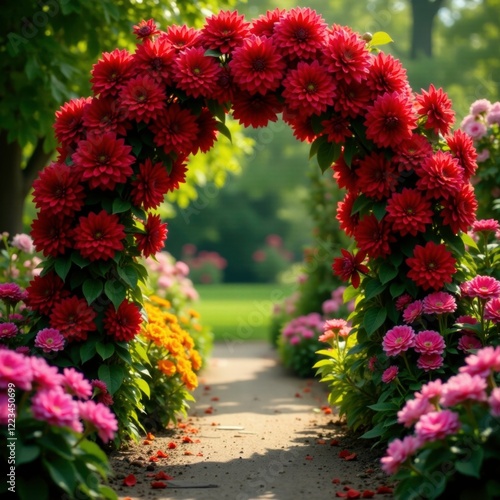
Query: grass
[[239, 311]]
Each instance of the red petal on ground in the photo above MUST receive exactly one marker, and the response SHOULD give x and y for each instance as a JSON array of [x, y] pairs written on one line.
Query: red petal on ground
[[215, 398], [368, 494], [350, 457], [209, 410], [182, 425], [162, 475], [334, 442], [336, 480], [188, 453], [353, 494], [130, 480], [309, 457], [153, 459], [384, 489], [306, 389], [199, 454], [344, 453], [370, 471], [298, 395], [158, 485], [146, 441], [207, 388], [187, 439], [161, 454], [150, 436], [171, 445], [340, 494], [327, 410]]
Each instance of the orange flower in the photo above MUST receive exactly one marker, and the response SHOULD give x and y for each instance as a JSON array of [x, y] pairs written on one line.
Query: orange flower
[[167, 367]]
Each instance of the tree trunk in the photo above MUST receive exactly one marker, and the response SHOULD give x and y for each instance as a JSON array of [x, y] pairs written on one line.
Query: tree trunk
[[16, 182], [423, 12]]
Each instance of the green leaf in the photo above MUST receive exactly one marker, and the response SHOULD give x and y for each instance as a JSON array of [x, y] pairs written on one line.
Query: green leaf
[[62, 473], [105, 349], [380, 38], [315, 145], [373, 287], [349, 151], [212, 53], [143, 386], [62, 267], [222, 128], [379, 210], [120, 206], [92, 288], [350, 293], [112, 375], [384, 407], [377, 431], [387, 272], [397, 289], [129, 274], [469, 241], [26, 454], [217, 110], [374, 318], [472, 467], [115, 291], [88, 350], [361, 205], [328, 152]]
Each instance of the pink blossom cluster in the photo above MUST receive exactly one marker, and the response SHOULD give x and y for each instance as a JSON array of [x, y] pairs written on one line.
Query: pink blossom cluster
[[437, 409], [309, 326], [336, 302], [61, 399]]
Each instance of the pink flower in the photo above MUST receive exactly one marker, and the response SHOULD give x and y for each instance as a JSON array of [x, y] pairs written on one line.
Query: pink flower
[[99, 418], [398, 452], [494, 402], [484, 287], [390, 374], [431, 391], [492, 310], [413, 311], [11, 293], [413, 410], [437, 425], [429, 362], [8, 330], [485, 226], [469, 320], [15, 368], [23, 242], [371, 363], [4, 409], [429, 342], [49, 339], [468, 343], [463, 387], [439, 303], [398, 339], [76, 384], [56, 408], [480, 106], [402, 301], [482, 362], [45, 376]]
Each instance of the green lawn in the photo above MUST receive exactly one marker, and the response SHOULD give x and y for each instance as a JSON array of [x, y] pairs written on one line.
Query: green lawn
[[239, 311]]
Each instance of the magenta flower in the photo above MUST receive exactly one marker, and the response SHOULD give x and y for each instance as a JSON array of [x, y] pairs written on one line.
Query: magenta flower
[[15, 368], [390, 374], [469, 343], [99, 418], [413, 410], [8, 330], [429, 342], [56, 408], [463, 387], [483, 287], [492, 310], [439, 303], [75, 384], [45, 376], [485, 226], [437, 425], [413, 311], [398, 339], [494, 402], [402, 301], [49, 340], [481, 363], [11, 293], [428, 362], [398, 453], [431, 391], [4, 409]]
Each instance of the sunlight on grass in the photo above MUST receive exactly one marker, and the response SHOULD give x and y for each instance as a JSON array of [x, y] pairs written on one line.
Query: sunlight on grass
[[239, 311]]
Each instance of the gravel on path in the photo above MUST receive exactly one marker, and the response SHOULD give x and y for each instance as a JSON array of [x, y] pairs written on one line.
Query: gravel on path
[[255, 432]]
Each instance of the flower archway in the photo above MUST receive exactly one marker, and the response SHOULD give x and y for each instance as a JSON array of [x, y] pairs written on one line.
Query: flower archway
[[408, 202]]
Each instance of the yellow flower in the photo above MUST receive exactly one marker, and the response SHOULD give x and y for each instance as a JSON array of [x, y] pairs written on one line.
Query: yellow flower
[[193, 313], [196, 361], [190, 380], [161, 301], [167, 367]]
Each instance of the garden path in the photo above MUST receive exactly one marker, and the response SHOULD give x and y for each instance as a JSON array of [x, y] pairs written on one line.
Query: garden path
[[257, 432]]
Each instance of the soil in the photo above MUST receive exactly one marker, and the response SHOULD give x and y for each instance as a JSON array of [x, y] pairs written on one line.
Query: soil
[[255, 432]]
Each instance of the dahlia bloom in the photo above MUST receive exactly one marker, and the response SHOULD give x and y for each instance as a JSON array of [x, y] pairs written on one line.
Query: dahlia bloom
[[411, 153], [350, 266], [459, 210], [111, 72], [150, 186], [264, 24], [485, 226], [224, 31], [374, 237], [256, 110], [429, 342], [437, 425], [336, 128], [123, 324], [106, 114], [68, 125], [153, 239], [398, 452], [377, 176], [413, 311], [390, 374], [207, 131], [413, 410], [386, 75], [469, 343], [462, 147], [483, 362], [44, 292], [347, 221], [492, 310], [437, 108], [398, 339], [432, 266], [11, 293], [403, 301], [98, 417], [76, 384], [463, 387], [428, 362], [52, 234], [146, 29], [49, 340], [155, 58], [74, 318], [99, 236], [483, 287], [56, 408], [15, 368], [439, 303], [431, 391]]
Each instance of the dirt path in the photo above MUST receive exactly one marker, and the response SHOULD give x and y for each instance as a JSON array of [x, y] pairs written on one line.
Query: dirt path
[[255, 432]]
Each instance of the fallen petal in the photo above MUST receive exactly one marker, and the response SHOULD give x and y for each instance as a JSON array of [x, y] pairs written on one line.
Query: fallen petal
[[130, 480]]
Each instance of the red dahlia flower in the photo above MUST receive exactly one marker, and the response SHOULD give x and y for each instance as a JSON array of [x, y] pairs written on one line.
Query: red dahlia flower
[[374, 237], [99, 236], [123, 324], [224, 89], [387, 75], [462, 148], [390, 120], [146, 29], [224, 31], [58, 191], [409, 212], [377, 176], [177, 173], [51, 233], [150, 186], [74, 318], [300, 34], [103, 161], [432, 266], [44, 291], [182, 37], [155, 58], [106, 114], [264, 24], [256, 66], [308, 89], [143, 98], [437, 108], [153, 239], [111, 72], [411, 153], [175, 130], [69, 127], [301, 126], [346, 176], [256, 110], [207, 134], [346, 56], [349, 266], [459, 211], [336, 128], [347, 221], [195, 73], [351, 99]]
